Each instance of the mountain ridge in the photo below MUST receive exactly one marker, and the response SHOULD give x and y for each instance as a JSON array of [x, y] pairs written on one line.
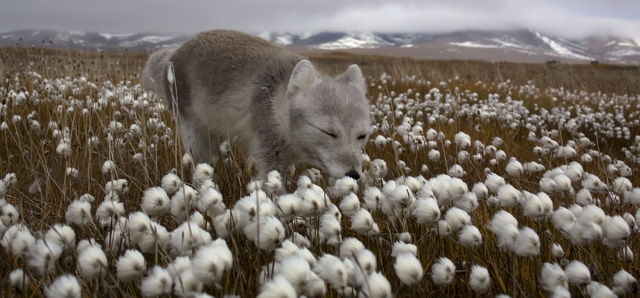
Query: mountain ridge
[[506, 45]]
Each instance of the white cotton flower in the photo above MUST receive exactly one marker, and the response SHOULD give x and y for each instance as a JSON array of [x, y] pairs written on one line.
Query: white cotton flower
[[533, 208], [300, 240], [331, 269], [187, 160], [462, 140], [457, 218], [188, 238], [592, 213], [443, 272], [456, 171], [9, 215], [553, 276], [108, 167], [532, 167], [119, 186], [470, 236], [64, 286], [583, 197], [632, 197], [442, 229], [527, 243], [64, 149], [313, 203], [92, 263], [186, 282], [267, 233], [593, 183], [330, 230], [563, 183], [158, 282], [202, 172], [210, 202], [362, 222], [616, 230], [72, 172], [349, 248], [434, 155], [366, 261], [501, 155], [108, 213], [287, 248], [22, 240], [514, 168], [274, 183], [508, 195], [561, 217], [624, 282], [400, 247], [43, 256], [479, 279], [481, 190], [182, 203], [468, 202], [560, 292], [577, 273], [277, 287], [155, 201], [62, 235], [298, 272], [171, 183], [373, 198], [178, 265], [596, 289], [18, 279], [288, 205], [130, 266], [376, 285], [547, 185], [86, 243], [350, 204], [401, 197], [343, 187], [3, 189], [557, 251], [426, 211], [408, 268]]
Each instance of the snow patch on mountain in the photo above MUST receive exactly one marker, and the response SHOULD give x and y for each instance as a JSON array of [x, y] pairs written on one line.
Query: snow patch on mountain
[[355, 40], [560, 49]]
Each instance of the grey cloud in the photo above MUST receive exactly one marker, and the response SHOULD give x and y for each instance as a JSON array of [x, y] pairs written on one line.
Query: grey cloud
[[570, 18]]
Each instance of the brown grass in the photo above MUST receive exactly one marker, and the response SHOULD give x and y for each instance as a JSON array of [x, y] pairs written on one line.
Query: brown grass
[[32, 157]]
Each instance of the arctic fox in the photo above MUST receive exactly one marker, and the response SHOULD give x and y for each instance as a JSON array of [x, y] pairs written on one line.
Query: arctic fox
[[274, 103]]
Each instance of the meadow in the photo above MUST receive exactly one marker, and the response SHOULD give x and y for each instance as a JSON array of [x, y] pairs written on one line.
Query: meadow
[[481, 179]]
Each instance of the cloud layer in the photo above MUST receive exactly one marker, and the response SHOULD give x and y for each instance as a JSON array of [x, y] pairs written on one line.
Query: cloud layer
[[569, 18]]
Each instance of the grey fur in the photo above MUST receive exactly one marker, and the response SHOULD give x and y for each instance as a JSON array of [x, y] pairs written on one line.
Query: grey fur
[[274, 103]]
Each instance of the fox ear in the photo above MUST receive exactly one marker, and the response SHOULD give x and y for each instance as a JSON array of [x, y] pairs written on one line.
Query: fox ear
[[353, 76], [303, 75]]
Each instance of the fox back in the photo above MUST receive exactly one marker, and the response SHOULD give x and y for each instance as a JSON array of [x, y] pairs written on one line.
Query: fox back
[[227, 85]]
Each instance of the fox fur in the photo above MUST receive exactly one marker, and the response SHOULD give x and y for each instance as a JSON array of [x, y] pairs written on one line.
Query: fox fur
[[228, 85]]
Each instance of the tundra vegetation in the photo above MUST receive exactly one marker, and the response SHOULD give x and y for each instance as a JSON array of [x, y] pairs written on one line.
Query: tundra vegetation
[[480, 179]]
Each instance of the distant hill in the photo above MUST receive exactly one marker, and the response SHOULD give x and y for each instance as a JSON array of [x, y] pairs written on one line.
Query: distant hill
[[516, 45]]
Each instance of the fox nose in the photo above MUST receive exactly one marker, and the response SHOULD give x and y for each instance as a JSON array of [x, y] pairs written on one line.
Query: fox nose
[[353, 174]]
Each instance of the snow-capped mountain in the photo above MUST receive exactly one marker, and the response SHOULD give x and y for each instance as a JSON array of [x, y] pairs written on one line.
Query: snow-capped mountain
[[515, 45]]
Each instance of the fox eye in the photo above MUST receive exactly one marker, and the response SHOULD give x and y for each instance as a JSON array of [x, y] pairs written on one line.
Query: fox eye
[[361, 137], [329, 134]]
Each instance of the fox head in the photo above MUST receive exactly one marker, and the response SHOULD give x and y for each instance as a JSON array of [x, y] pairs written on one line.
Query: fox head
[[329, 118]]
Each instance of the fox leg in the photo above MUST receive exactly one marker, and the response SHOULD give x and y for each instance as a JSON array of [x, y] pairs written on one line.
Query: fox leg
[[200, 142]]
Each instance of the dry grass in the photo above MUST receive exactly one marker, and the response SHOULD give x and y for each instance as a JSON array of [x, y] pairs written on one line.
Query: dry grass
[[44, 191]]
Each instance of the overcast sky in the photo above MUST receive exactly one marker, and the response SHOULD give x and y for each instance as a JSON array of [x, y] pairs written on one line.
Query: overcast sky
[[569, 18]]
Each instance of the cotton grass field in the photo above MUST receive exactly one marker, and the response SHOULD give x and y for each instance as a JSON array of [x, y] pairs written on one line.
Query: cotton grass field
[[481, 179]]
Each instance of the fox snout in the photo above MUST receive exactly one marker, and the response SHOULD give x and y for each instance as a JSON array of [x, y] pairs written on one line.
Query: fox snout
[[353, 174]]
